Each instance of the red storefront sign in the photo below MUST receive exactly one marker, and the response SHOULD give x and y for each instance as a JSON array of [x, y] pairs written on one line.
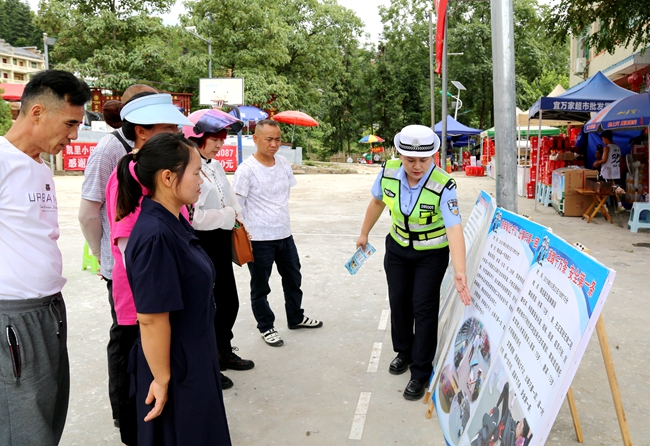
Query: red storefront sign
[[75, 155], [227, 156]]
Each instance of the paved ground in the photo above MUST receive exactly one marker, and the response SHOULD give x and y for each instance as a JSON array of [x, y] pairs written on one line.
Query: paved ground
[[307, 392]]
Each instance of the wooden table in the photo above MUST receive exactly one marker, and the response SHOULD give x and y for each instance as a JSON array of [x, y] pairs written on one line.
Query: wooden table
[[597, 204]]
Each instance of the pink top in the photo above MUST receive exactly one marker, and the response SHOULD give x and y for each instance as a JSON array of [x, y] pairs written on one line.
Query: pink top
[[122, 296]]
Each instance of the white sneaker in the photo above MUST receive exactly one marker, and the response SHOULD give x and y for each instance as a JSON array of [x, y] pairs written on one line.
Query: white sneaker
[[272, 338], [619, 209]]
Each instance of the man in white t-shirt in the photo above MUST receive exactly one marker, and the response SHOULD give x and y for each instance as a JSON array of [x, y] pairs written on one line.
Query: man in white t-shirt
[[35, 383], [262, 184], [611, 166]]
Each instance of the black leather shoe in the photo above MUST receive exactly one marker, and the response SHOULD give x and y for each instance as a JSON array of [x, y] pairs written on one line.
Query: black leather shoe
[[398, 366], [230, 360], [226, 383], [414, 390]]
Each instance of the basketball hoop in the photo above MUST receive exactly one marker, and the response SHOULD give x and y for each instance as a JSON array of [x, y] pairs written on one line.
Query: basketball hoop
[[218, 102]]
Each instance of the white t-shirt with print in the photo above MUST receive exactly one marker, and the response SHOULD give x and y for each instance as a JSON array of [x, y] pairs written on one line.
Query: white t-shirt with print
[[266, 190], [30, 260]]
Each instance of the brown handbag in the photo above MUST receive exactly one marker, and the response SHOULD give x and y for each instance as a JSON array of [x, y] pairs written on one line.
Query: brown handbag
[[242, 249]]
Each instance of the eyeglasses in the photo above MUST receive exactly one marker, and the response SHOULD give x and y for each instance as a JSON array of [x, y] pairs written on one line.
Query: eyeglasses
[[14, 350]]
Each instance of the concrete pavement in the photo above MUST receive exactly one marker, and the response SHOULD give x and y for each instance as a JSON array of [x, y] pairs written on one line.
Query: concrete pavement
[[321, 387]]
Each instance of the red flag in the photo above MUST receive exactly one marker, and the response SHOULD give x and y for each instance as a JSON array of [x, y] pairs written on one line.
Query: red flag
[[441, 12]]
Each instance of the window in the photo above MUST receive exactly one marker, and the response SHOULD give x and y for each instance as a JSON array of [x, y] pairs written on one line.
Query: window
[[33, 64], [5, 75], [19, 77], [15, 61], [4, 60], [21, 63]]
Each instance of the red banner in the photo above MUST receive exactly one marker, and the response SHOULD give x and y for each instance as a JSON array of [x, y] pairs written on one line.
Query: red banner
[[75, 155], [441, 13], [227, 156]]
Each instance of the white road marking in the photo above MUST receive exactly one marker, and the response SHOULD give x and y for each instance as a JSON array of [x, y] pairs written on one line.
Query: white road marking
[[373, 364], [383, 320], [356, 431]]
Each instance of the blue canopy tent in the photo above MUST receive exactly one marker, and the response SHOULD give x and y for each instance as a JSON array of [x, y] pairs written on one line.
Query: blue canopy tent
[[457, 134], [455, 128], [577, 104], [627, 118]]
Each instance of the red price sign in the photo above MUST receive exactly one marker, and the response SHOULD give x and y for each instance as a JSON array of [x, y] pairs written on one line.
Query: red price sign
[[75, 155], [227, 156]]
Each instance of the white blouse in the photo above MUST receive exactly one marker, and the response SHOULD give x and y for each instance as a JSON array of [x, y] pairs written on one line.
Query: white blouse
[[217, 207]]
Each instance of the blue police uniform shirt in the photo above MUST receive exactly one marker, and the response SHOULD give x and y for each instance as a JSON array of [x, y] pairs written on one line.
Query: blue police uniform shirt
[[409, 196]]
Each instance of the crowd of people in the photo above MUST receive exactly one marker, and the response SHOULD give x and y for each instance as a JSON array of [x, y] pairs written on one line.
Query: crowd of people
[[159, 212]]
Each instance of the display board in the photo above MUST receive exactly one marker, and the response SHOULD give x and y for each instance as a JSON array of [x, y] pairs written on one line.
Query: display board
[[514, 351], [75, 155], [230, 90], [227, 156]]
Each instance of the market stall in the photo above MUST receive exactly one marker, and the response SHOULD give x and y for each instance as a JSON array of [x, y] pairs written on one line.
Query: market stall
[[456, 130], [575, 105]]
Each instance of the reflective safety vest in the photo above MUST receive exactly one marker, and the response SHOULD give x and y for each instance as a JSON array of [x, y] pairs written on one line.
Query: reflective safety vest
[[424, 226]]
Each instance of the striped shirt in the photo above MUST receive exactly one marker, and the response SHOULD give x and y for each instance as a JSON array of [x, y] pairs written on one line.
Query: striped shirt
[[101, 163]]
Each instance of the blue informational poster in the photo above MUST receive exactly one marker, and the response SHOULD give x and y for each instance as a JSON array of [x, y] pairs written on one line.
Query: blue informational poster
[[516, 348]]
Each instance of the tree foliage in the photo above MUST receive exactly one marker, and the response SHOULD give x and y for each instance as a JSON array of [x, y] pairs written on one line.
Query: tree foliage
[[17, 26], [621, 22], [5, 115]]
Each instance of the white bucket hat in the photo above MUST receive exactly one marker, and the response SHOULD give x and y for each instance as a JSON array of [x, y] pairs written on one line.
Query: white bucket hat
[[417, 141], [153, 109]]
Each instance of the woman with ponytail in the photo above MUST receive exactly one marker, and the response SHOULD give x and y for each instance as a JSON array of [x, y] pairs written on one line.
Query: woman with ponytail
[[144, 116], [175, 361]]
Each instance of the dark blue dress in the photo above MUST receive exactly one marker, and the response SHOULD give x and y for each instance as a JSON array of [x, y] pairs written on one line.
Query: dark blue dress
[[169, 272]]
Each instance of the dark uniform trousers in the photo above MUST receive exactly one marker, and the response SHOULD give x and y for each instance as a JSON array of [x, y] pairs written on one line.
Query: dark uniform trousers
[[414, 279]]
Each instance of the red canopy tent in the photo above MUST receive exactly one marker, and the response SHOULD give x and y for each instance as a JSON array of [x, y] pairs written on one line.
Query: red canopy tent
[[12, 92]]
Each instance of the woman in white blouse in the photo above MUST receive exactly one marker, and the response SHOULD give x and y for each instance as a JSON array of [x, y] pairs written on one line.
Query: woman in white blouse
[[214, 218]]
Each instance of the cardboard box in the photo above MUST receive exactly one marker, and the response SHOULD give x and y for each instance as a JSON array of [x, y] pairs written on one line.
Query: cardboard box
[[565, 181], [590, 173], [576, 205], [566, 156], [600, 187]]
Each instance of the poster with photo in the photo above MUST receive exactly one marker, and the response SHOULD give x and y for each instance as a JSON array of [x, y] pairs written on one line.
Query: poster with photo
[[451, 308], [535, 302]]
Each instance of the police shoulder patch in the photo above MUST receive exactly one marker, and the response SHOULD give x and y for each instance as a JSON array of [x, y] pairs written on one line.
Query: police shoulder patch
[[453, 206]]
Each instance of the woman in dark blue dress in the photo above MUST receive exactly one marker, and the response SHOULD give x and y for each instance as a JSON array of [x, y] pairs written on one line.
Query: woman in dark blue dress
[[175, 361]]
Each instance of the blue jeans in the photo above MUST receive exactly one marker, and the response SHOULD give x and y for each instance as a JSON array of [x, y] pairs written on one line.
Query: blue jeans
[[285, 255]]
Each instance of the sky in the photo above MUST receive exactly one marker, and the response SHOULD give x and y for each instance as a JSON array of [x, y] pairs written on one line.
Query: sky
[[366, 10]]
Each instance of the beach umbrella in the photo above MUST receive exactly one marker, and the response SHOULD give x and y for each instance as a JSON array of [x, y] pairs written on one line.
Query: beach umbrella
[[250, 114], [295, 117], [370, 139]]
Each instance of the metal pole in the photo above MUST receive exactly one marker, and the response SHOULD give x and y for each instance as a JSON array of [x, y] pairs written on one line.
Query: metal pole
[[432, 84], [210, 59], [443, 139], [539, 151], [239, 143], [503, 55], [47, 67]]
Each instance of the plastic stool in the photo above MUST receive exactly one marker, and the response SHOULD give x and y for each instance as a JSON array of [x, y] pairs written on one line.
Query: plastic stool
[[89, 260], [639, 217]]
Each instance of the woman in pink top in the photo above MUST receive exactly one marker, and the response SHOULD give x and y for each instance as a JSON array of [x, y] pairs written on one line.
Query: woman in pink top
[[145, 115]]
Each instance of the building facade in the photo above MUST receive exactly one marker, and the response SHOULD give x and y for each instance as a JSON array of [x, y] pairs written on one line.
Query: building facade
[[626, 67], [18, 64]]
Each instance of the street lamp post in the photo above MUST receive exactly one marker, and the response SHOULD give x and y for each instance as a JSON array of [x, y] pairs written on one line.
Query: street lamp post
[[47, 41], [459, 103], [192, 30]]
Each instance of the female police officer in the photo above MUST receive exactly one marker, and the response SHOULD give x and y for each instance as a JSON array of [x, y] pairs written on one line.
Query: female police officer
[[425, 229]]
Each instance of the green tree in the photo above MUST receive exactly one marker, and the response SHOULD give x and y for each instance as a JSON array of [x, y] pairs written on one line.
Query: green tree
[[5, 115], [621, 23], [17, 25]]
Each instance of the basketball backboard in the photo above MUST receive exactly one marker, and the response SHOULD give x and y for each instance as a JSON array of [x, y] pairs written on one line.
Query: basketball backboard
[[228, 89]]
